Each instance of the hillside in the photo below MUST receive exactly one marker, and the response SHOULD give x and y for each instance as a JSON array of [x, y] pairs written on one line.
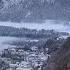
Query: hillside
[[61, 59], [34, 10]]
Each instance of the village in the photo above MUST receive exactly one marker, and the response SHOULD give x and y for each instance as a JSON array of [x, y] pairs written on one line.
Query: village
[[18, 59]]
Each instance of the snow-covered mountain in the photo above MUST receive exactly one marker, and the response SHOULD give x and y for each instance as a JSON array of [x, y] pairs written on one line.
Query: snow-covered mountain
[[34, 10]]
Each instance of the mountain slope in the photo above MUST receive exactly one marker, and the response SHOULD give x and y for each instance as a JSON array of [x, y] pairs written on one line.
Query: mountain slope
[[34, 10]]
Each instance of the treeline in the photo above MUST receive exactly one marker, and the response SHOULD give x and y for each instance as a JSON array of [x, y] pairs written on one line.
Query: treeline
[[24, 32]]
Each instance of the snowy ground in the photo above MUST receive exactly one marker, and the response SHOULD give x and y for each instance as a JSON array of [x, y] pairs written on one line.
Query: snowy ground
[[48, 24], [3, 45], [4, 41]]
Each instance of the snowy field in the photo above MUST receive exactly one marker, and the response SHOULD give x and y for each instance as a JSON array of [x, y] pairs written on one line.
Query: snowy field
[[48, 24], [3, 45], [4, 41]]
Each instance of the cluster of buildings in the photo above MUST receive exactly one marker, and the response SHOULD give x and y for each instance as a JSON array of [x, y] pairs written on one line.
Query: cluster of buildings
[[19, 59]]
